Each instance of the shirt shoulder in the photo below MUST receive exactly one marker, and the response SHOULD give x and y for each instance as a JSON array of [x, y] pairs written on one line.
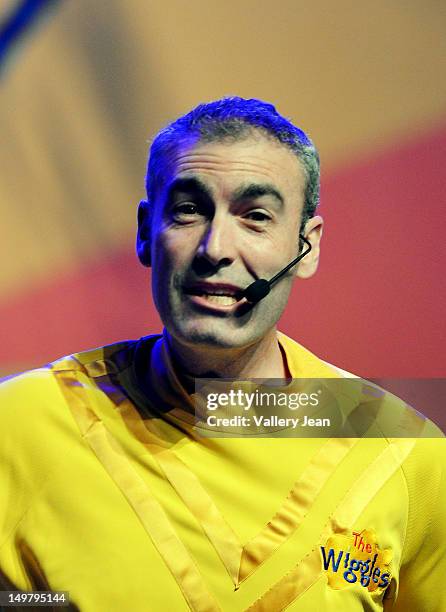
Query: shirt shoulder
[[38, 432], [33, 404], [35, 400], [21, 393]]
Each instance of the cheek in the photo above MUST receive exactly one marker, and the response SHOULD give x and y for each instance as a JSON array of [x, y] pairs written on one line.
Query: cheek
[[268, 256], [171, 259], [170, 251]]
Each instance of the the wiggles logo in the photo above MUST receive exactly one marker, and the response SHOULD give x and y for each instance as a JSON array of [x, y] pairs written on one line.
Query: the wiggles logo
[[356, 558]]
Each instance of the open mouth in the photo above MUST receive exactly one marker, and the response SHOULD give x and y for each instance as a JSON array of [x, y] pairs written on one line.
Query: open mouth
[[216, 298], [219, 297]]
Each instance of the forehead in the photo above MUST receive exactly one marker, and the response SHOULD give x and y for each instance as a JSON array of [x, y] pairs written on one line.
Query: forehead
[[227, 164]]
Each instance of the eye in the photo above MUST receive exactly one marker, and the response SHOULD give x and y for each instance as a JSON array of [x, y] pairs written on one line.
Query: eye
[[258, 216], [186, 211]]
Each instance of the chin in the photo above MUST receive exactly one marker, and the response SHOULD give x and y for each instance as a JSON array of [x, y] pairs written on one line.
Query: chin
[[214, 337], [206, 337]]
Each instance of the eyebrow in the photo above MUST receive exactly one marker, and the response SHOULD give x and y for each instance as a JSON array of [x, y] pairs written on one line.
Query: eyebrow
[[191, 184], [257, 190], [251, 191]]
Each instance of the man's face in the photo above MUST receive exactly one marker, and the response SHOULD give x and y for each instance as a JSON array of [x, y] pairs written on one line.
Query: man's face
[[225, 215]]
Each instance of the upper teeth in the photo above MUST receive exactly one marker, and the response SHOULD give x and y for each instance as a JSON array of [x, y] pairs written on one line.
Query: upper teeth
[[225, 300], [216, 292]]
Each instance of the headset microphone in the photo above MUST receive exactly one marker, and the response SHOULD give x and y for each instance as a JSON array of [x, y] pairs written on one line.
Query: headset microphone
[[260, 288]]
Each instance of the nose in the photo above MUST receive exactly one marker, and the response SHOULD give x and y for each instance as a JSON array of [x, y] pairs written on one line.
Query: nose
[[218, 242]]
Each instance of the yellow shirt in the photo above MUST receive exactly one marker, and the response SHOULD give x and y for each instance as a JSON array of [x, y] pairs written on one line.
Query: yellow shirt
[[106, 491]]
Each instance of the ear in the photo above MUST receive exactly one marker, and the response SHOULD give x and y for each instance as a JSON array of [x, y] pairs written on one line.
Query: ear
[[143, 239], [313, 233]]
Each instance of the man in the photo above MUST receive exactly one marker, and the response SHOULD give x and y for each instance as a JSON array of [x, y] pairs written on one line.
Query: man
[[113, 491]]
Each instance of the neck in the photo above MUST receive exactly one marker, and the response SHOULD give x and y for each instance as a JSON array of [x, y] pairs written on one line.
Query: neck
[[263, 359]]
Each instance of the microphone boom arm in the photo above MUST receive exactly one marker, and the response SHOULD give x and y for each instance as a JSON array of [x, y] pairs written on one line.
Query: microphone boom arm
[[261, 287]]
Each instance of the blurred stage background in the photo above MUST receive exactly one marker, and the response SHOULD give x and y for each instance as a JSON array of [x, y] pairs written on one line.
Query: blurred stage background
[[83, 91]]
